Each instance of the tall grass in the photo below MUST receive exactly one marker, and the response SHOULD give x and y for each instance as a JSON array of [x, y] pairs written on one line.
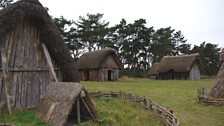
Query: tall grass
[[22, 118], [179, 95], [119, 112]]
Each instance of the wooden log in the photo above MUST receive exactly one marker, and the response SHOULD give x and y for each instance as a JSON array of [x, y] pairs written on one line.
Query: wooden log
[[6, 80], [50, 111], [78, 111], [48, 58], [86, 107]]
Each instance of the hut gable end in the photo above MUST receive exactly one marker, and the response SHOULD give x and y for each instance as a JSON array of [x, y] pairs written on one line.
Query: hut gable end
[[110, 62], [101, 65], [178, 63], [177, 67], [25, 27], [97, 59]]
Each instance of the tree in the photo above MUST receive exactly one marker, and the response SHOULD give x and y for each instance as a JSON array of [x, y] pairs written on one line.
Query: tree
[[5, 3], [132, 41], [180, 44], [162, 43], [69, 34], [209, 56], [92, 31]]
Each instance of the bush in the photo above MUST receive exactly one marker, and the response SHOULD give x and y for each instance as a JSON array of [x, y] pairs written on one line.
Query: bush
[[138, 73]]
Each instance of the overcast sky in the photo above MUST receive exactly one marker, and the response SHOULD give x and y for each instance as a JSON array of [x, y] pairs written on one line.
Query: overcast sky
[[199, 20]]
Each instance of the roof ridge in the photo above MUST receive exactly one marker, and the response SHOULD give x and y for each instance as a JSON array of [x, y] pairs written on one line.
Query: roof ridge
[[193, 54]]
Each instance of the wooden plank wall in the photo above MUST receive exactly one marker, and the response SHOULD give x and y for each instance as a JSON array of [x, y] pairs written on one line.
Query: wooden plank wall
[[28, 69]]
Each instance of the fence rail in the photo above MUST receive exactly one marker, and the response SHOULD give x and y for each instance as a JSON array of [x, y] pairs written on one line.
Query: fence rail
[[166, 115], [204, 98]]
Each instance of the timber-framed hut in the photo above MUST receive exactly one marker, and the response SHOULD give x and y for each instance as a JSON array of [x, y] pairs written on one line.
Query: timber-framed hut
[[33, 54], [100, 65], [183, 67]]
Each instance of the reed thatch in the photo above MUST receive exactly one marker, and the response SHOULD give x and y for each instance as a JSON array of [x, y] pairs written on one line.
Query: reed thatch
[[218, 89], [49, 35], [178, 63], [59, 104], [153, 69], [95, 59]]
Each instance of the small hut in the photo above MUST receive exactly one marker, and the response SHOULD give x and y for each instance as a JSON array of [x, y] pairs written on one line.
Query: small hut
[[66, 104], [101, 65], [153, 71], [185, 67]]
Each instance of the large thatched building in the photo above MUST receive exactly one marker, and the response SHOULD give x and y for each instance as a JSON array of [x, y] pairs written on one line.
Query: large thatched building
[[186, 67], [33, 54], [24, 26], [101, 65]]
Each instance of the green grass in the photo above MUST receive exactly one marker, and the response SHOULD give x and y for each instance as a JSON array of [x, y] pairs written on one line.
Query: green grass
[[22, 118], [179, 95], [119, 112]]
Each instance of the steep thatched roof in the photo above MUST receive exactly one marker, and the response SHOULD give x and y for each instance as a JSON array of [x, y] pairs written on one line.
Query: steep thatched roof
[[58, 104], [21, 10], [154, 69], [217, 90], [178, 63], [94, 59]]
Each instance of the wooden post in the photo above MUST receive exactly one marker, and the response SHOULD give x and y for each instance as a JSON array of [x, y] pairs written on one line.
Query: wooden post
[[6, 80], [78, 111], [50, 111], [48, 58], [87, 107]]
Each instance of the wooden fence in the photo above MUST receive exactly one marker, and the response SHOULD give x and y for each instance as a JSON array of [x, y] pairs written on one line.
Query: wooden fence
[[166, 115], [6, 124], [203, 97]]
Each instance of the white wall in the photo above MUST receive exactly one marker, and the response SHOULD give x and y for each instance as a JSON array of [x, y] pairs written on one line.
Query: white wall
[[195, 72]]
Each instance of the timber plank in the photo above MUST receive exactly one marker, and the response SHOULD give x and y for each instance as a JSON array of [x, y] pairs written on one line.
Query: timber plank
[[6, 80]]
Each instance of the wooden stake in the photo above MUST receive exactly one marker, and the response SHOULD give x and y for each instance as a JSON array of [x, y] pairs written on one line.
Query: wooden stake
[[48, 58], [87, 107], [50, 111], [6, 80], [78, 111]]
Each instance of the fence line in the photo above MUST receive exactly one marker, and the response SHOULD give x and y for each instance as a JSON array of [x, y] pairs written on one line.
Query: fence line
[[166, 115], [204, 98]]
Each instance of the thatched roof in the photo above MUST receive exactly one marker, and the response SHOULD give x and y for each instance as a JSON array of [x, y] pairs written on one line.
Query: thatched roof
[[58, 104], [94, 59], [178, 63], [217, 90], [154, 69], [21, 10]]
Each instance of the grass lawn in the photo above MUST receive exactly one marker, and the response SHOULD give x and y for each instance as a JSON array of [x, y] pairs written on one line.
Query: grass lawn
[[22, 118], [179, 95], [119, 112]]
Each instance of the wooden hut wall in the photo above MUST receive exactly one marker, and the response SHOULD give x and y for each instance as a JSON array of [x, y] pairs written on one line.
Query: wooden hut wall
[[28, 70], [89, 75], [181, 75], [110, 69], [195, 72], [167, 75], [94, 75], [110, 63], [108, 74]]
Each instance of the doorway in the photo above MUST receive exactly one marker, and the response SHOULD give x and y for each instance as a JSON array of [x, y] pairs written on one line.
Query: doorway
[[109, 78], [86, 75]]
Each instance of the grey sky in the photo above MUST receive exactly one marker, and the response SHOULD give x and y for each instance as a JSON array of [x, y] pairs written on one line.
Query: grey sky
[[199, 20]]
